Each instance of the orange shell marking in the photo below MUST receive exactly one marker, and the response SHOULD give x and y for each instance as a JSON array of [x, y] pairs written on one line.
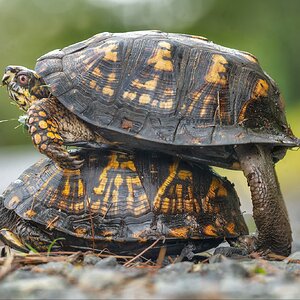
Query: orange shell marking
[[217, 70], [210, 230], [162, 57], [180, 232]]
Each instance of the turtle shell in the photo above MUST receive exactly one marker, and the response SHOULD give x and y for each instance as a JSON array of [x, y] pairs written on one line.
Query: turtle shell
[[176, 93], [123, 202]]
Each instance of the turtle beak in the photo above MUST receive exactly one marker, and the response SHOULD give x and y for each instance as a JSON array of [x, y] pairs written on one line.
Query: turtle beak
[[5, 79], [9, 73]]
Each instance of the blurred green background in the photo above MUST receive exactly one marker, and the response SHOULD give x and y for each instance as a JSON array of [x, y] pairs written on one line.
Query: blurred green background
[[269, 29]]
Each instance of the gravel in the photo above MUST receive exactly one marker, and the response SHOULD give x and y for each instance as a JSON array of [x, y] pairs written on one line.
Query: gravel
[[96, 278]]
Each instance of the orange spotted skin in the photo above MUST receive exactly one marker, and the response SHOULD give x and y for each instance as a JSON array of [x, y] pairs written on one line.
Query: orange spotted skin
[[124, 201], [180, 93], [51, 129]]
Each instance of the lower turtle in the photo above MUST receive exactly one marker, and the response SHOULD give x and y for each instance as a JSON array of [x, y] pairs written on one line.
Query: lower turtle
[[123, 202]]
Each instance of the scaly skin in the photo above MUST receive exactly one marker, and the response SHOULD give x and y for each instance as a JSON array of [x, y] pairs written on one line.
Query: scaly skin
[[269, 210], [18, 233], [51, 125]]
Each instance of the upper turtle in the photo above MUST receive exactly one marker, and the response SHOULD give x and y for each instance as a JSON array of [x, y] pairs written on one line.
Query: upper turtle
[[150, 89], [168, 88]]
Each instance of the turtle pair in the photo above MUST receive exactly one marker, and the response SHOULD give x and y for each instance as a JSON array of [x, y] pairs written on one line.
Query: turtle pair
[[172, 93]]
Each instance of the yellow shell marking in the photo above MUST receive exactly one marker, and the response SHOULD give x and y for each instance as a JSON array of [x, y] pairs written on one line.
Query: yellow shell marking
[[66, 190], [129, 95], [216, 189], [144, 99], [109, 54], [210, 230], [107, 90], [161, 191], [80, 231], [168, 104], [162, 57], [132, 183], [105, 186], [75, 206], [216, 69], [13, 201], [179, 197], [80, 188], [97, 72], [112, 164], [111, 77], [117, 182], [93, 84], [206, 101], [149, 85], [30, 213], [180, 232], [261, 89], [231, 228], [185, 174], [128, 165], [177, 204], [111, 188]]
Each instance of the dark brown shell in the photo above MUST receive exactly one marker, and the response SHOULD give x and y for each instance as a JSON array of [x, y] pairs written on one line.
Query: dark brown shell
[[170, 92], [118, 197]]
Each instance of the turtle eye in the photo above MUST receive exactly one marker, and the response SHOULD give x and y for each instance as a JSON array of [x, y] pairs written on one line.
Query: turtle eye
[[23, 79]]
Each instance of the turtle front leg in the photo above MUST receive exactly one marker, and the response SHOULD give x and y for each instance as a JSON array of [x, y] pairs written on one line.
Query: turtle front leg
[[52, 126], [269, 210]]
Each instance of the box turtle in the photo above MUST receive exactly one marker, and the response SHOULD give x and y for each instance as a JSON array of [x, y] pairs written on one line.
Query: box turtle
[[122, 202], [174, 93]]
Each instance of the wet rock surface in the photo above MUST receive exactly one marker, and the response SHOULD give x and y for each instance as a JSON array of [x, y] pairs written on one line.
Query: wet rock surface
[[88, 276]]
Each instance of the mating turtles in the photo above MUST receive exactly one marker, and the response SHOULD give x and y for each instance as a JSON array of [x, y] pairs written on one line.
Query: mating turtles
[[174, 93]]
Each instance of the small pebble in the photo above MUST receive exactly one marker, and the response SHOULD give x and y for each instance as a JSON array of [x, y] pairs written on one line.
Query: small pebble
[[108, 262], [91, 259]]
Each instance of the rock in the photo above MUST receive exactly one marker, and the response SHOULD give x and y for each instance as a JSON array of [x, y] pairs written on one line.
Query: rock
[[96, 279], [39, 287], [54, 268], [177, 268], [108, 262], [91, 259], [217, 258]]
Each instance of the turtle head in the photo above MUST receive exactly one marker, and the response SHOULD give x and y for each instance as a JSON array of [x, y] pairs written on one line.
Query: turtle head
[[24, 86]]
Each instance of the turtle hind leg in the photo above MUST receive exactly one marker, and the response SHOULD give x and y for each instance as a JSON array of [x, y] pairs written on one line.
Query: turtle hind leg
[[269, 210]]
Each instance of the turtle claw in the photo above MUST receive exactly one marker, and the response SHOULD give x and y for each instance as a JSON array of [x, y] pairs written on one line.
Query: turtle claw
[[68, 161], [65, 159]]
